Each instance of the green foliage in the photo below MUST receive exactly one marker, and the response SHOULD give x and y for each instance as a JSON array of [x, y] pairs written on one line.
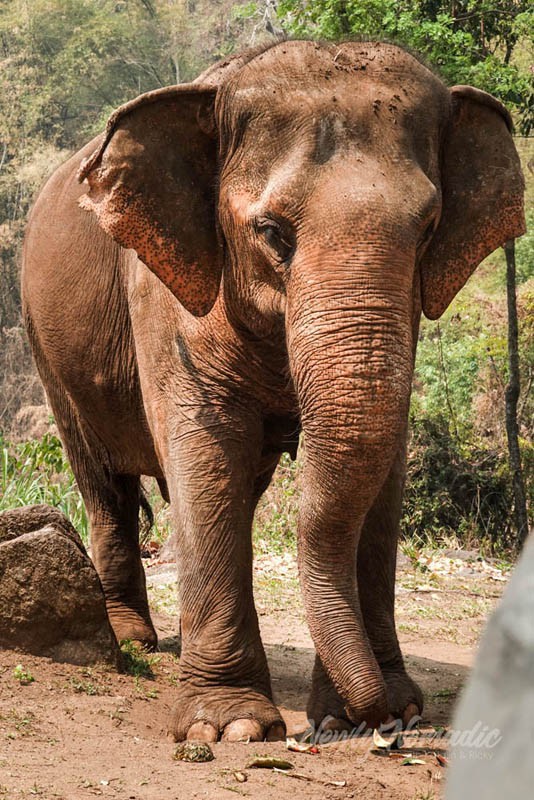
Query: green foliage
[[455, 491], [275, 523], [446, 371], [23, 676], [69, 63], [451, 355], [65, 65], [245, 11], [470, 42], [461, 487], [136, 661], [38, 472], [462, 366], [524, 248], [84, 687]]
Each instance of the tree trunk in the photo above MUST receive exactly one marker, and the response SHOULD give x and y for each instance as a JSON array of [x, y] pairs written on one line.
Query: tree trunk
[[511, 400]]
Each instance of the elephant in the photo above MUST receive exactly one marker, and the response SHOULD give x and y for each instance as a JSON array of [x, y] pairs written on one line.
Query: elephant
[[235, 262]]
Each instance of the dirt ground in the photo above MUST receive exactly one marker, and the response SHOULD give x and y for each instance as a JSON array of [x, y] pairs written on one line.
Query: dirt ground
[[75, 733]]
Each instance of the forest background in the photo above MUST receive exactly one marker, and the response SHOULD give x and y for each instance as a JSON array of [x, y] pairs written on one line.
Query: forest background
[[66, 64]]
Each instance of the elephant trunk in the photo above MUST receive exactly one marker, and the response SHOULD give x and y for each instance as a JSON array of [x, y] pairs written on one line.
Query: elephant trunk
[[350, 346]]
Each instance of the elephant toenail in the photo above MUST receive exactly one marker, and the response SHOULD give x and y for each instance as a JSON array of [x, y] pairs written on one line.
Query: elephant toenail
[[411, 715], [276, 732], [202, 732], [243, 730]]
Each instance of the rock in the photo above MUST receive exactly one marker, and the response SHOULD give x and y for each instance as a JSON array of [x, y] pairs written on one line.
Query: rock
[[199, 752], [462, 555], [51, 599], [491, 752], [28, 519]]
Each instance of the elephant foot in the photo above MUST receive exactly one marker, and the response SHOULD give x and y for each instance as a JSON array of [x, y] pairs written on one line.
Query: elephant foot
[[225, 713], [327, 712], [405, 698], [326, 708], [133, 625]]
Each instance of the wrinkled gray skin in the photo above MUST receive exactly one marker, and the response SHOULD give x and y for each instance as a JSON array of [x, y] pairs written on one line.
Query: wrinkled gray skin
[[338, 189]]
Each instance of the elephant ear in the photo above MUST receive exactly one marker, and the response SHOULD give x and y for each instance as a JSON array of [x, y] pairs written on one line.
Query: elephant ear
[[482, 204], [152, 185]]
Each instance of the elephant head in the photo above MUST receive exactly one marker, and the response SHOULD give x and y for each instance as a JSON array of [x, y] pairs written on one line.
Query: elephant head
[[340, 189]]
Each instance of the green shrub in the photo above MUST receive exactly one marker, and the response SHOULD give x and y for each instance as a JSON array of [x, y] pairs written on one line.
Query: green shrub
[[275, 523], [455, 491], [37, 471], [23, 676]]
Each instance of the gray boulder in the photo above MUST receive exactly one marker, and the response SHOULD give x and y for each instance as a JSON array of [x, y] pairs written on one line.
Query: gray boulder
[[51, 599]]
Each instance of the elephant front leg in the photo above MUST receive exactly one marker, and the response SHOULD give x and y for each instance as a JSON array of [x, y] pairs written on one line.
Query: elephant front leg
[[224, 689]]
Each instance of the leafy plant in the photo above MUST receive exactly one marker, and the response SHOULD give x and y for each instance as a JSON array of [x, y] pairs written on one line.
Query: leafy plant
[[84, 687], [36, 472], [454, 490], [136, 661], [23, 676], [276, 518]]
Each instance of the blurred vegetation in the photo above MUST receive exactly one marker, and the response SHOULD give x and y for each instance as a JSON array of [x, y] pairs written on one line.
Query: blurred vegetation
[[65, 64], [275, 524], [37, 472]]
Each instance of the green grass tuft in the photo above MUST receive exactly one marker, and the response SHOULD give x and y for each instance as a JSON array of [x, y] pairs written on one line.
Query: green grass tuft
[[137, 662], [37, 472], [23, 676]]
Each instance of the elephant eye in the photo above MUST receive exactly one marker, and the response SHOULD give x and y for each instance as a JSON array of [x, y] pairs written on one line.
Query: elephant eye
[[278, 240]]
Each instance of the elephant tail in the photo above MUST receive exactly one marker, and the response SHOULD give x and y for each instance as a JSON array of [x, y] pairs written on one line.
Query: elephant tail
[[146, 517]]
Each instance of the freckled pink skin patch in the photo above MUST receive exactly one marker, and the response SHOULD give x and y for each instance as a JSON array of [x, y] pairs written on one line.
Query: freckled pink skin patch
[[140, 190]]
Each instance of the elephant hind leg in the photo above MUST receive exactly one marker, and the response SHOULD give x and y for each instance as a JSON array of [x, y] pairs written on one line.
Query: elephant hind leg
[[113, 509], [112, 501]]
